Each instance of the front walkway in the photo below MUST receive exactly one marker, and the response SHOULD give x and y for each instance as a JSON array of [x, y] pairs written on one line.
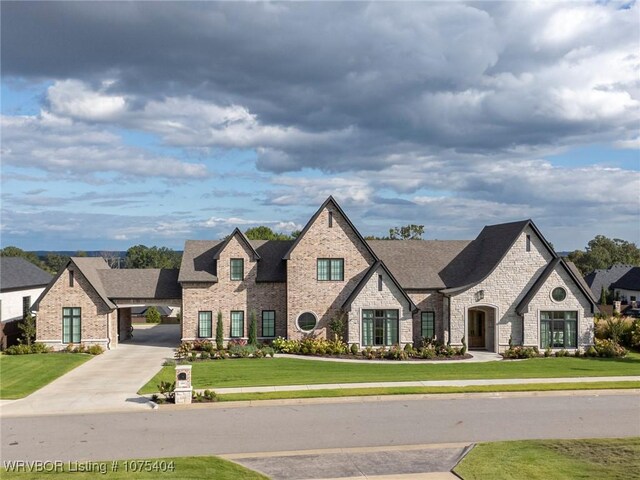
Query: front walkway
[[432, 383], [108, 381]]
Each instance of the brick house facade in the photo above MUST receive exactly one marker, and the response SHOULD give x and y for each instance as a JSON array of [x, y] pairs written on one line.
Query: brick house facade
[[507, 285]]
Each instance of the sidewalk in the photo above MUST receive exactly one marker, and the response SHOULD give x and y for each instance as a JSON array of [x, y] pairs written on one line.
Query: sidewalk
[[434, 383]]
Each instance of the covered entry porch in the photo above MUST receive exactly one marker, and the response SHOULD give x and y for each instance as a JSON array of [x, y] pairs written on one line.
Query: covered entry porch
[[481, 328], [128, 332]]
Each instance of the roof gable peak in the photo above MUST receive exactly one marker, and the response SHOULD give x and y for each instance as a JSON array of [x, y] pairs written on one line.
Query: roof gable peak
[[243, 239]]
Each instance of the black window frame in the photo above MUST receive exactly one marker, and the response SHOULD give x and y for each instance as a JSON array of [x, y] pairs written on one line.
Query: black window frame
[[553, 331], [273, 328], [231, 335], [231, 269], [200, 324], [26, 306], [432, 327], [71, 328], [329, 269], [380, 329]]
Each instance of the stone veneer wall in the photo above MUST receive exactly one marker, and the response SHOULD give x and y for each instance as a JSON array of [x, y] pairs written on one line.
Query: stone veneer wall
[[503, 289], [390, 298], [227, 295], [428, 301], [95, 314], [324, 298], [542, 301]]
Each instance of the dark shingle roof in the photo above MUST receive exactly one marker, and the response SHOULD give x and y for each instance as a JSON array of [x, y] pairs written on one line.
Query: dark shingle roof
[[16, 272], [416, 263], [199, 262], [483, 255], [629, 281], [164, 311], [89, 267], [158, 283], [606, 277]]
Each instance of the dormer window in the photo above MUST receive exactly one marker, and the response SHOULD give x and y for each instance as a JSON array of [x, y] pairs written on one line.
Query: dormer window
[[237, 269]]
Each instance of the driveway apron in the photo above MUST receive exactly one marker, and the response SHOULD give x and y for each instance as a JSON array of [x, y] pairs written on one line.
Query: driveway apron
[[108, 381]]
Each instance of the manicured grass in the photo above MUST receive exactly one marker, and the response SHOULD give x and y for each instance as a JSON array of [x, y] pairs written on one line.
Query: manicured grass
[[361, 392], [185, 468], [288, 371], [21, 375], [612, 459]]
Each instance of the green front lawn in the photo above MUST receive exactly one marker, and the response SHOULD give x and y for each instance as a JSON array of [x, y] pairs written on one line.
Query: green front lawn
[[185, 468], [542, 459], [249, 372], [377, 391], [21, 375]]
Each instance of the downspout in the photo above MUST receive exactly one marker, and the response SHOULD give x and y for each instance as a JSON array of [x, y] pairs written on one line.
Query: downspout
[[108, 331]]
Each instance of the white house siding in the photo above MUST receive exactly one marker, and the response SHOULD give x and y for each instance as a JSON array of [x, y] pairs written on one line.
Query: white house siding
[[11, 308], [623, 294], [575, 301], [390, 298], [503, 289]]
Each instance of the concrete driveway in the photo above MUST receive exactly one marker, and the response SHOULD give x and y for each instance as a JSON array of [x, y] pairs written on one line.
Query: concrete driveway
[[107, 382]]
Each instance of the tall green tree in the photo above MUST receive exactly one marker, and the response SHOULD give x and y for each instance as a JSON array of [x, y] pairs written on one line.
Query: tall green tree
[[603, 296], [253, 329], [55, 261], [141, 256], [265, 233], [219, 332], [603, 252], [28, 329]]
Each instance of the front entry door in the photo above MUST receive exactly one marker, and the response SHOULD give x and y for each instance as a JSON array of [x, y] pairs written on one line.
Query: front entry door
[[476, 329]]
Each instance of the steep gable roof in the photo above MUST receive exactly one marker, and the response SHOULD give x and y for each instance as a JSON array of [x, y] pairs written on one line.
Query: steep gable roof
[[243, 239], [356, 291], [629, 281], [89, 267], [484, 254], [569, 268], [606, 277], [199, 260], [417, 263], [18, 273], [327, 202]]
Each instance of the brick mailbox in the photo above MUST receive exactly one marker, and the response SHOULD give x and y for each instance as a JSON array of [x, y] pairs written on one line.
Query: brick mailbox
[[183, 390]]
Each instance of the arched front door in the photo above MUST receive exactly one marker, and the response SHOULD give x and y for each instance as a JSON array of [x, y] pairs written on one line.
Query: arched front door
[[481, 328]]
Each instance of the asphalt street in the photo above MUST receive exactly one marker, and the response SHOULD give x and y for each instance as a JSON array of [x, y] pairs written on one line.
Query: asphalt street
[[269, 428]]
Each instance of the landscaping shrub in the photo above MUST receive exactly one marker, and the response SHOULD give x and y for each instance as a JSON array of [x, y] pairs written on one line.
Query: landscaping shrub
[[463, 350], [183, 350], [95, 350], [635, 334], [427, 352], [547, 352], [522, 352], [337, 326], [169, 363], [396, 353], [210, 395], [28, 329], [591, 352], [166, 389], [193, 356], [202, 346], [253, 329], [152, 315], [608, 348], [355, 349], [616, 328], [20, 349], [562, 353], [268, 351]]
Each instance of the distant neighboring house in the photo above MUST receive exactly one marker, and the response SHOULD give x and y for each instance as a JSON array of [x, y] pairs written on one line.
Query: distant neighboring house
[[622, 281], [139, 314], [21, 283]]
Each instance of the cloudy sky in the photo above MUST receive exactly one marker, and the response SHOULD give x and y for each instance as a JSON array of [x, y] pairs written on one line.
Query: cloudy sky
[[127, 123]]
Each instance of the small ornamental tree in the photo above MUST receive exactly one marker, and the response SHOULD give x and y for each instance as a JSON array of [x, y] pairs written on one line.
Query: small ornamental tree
[[337, 326], [603, 296], [152, 315], [253, 329], [28, 329], [219, 332]]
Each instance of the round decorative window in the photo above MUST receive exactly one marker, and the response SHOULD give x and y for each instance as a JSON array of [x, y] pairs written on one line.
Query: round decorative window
[[307, 321], [559, 294]]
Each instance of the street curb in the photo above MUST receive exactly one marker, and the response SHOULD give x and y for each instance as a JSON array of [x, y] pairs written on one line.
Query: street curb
[[396, 398], [465, 452]]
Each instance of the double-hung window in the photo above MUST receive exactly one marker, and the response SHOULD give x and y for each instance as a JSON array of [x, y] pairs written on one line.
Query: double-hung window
[[427, 325], [71, 325], [204, 324], [558, 329], [331, 269], [268, 323], [237, 269], [379, 328], [237, 324]]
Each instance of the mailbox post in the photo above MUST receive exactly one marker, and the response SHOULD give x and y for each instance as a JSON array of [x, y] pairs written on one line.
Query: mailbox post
[[183, 390]]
